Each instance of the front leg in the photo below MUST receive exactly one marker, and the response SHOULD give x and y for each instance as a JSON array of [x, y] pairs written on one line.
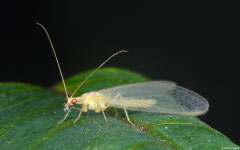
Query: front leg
[[79, 115], [65, 116]]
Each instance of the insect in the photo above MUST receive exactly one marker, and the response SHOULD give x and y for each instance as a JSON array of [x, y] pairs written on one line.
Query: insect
[[153, 96]]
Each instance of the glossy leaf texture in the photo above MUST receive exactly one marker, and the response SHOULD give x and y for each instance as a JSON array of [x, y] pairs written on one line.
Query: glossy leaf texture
[[29, 116]]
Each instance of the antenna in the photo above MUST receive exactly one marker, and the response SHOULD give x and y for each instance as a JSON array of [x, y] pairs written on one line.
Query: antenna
[[50, 41], [121, 51]]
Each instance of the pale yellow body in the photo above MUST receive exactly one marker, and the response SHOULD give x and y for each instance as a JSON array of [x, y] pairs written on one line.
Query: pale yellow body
[[93, 101], [97, 102]]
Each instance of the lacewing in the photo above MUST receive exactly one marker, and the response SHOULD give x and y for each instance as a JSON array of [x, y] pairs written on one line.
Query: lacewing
[[153, 96]]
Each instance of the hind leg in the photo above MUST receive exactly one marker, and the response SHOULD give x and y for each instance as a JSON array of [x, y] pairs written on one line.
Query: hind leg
[[125, 110]]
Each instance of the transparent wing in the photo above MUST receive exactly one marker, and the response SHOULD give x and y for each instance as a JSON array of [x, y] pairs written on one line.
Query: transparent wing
[[157, 96]]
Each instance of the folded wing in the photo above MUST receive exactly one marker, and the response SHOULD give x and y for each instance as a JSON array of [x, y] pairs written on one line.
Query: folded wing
[[157, 96]]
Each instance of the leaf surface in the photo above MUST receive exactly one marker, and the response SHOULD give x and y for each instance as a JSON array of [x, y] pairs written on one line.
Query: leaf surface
[[29, 116]]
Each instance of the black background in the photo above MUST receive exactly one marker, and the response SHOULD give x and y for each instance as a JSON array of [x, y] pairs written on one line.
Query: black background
[[195, 44]]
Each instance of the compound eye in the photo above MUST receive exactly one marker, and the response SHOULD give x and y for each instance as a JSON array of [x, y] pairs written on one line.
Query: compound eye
[[74, 101]]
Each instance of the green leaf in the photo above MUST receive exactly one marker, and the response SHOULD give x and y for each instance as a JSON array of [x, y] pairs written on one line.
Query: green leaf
[[29, 116]]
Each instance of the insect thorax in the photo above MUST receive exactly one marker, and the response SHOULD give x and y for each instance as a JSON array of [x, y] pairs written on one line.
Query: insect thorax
[[93, 101]]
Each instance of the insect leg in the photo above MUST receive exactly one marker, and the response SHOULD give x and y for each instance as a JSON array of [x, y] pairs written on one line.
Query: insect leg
[[65, 116], [125, 110], [104, 116], [114, 108], [102, 111], [128, 116], [78, 114], [116, 113]]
